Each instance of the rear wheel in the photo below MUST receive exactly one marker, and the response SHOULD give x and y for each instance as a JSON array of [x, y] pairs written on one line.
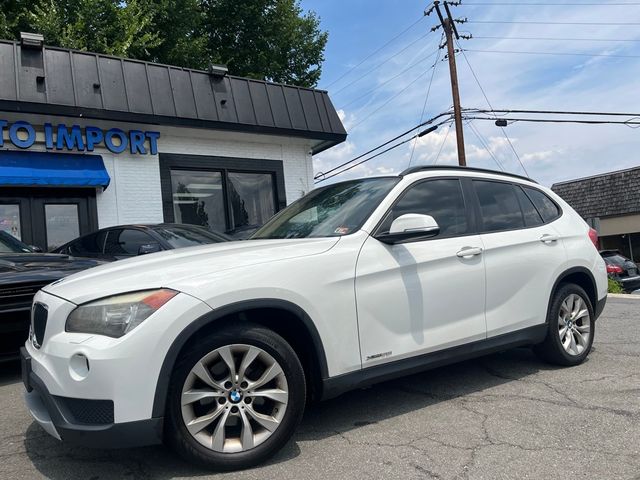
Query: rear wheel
[[571, 327], [235, 398]]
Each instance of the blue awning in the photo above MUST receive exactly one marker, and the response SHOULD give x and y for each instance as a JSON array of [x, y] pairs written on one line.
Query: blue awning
[[36, 169]]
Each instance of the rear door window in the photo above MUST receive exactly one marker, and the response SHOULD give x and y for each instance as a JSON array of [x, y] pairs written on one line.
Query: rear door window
[[499, 206]]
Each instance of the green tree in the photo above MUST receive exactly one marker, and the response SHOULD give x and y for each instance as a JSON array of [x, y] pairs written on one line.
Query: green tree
[[270, 39], [266, 39]]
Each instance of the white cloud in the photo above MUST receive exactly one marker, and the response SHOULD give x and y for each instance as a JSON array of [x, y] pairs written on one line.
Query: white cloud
[[550, 152]]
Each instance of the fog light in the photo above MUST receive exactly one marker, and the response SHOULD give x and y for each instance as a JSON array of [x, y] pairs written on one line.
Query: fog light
[[79, 366]]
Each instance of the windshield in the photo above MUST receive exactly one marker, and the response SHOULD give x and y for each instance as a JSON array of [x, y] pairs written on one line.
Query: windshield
[[186, 237], [10, 244], [330, 211]]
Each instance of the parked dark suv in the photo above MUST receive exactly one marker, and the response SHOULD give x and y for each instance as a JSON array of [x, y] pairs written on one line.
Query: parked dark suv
[[622, 270], [125, 241]]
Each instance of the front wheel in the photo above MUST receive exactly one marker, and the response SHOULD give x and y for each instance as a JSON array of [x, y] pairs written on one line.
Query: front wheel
[[235, 398], [571, 327]]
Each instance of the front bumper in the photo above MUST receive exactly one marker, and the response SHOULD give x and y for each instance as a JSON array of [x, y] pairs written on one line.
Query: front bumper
[[71, 425], [96, 390]]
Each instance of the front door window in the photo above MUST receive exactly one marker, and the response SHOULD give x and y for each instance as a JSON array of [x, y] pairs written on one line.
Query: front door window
[[10, 220], [62, 224]]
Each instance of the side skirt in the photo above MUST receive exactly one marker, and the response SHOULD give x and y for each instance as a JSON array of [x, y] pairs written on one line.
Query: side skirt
[[334, 386]]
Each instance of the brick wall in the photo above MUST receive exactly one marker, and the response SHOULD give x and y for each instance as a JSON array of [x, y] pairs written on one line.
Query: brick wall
[[134, 195]]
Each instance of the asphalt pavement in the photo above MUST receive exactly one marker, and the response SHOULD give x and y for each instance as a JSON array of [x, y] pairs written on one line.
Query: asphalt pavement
[[505, 416]]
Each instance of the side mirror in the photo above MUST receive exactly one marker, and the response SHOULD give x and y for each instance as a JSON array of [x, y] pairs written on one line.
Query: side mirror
[[410, 227], [149, 248], [35, 248]]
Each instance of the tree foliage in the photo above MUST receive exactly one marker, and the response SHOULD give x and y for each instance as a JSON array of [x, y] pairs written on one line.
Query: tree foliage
[[267, 39]]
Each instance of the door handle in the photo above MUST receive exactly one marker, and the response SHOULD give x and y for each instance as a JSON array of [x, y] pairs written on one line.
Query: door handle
[[467, 252], [548, 238]]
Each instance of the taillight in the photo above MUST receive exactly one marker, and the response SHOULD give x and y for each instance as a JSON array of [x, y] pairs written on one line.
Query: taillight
[[614, 269], [593, 236]]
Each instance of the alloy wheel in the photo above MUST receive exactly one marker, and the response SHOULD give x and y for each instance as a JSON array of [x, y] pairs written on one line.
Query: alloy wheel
[[234, 398], [574, 324]]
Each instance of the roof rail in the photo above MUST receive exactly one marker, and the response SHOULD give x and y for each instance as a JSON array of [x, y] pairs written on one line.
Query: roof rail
[[458, 167]]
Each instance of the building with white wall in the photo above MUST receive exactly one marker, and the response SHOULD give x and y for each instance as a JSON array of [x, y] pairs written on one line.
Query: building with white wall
[[91, 141]]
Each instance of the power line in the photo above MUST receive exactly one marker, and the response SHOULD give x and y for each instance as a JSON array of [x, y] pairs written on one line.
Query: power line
[[554, 112], [491, 107], [374, 52], [558, 4], [553, 53], [336, 92], [424, 105], [628, 123], [553, 23], [484, 144], [429, 130], [428, 122], [483, 37], [391, 98], [412, 66], [442, 144]]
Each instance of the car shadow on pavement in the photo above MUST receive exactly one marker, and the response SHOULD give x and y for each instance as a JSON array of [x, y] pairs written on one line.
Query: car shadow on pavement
[[335, 417]]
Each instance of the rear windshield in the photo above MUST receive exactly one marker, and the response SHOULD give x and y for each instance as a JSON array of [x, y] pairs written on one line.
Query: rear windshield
[[618, 260]]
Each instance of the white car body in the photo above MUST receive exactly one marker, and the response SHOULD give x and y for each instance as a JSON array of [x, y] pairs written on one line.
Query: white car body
[[373, 307]]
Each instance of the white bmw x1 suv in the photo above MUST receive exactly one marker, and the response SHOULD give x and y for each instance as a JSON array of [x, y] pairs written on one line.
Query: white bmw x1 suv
[[216, 349]]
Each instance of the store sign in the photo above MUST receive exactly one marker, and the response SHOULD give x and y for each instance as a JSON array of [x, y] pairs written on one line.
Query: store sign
[[81, 139]]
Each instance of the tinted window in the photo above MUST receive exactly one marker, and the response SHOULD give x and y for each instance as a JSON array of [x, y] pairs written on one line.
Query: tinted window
[[499, 206], [531, 216], [126, 242], [442, 199], [618, 260], [87, 245], [544, 204]]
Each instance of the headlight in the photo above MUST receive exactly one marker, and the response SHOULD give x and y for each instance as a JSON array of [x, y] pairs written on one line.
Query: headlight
[[115, 316]]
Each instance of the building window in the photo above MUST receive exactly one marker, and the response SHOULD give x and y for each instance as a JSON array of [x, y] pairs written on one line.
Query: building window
[[62, 223], [252, 198], [230, 195], [198, 199], [10, 220]]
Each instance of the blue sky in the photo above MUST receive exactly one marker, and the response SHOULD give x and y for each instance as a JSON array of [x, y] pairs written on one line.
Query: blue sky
[[549, 152]]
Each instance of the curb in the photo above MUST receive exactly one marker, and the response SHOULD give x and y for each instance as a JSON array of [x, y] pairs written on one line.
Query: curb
[[624, 295]]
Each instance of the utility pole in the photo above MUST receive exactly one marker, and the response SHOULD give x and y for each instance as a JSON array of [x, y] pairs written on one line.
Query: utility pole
[[449, 26]]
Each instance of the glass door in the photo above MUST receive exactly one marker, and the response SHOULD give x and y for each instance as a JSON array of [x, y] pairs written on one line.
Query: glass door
[[57, 221]]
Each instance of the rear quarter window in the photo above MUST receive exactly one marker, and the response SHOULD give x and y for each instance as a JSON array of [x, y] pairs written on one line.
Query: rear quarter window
[[547, 207]]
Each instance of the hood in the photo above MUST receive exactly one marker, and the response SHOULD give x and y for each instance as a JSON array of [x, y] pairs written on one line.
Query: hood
[[40, 267], [167, 268]]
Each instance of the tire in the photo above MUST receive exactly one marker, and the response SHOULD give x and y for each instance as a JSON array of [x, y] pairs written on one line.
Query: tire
[[570, 317], [259, 419]]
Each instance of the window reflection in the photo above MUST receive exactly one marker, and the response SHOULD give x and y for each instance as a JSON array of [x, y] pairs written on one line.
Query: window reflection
[[10, 220], [62, 224], [198, 198], [252, 199]]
